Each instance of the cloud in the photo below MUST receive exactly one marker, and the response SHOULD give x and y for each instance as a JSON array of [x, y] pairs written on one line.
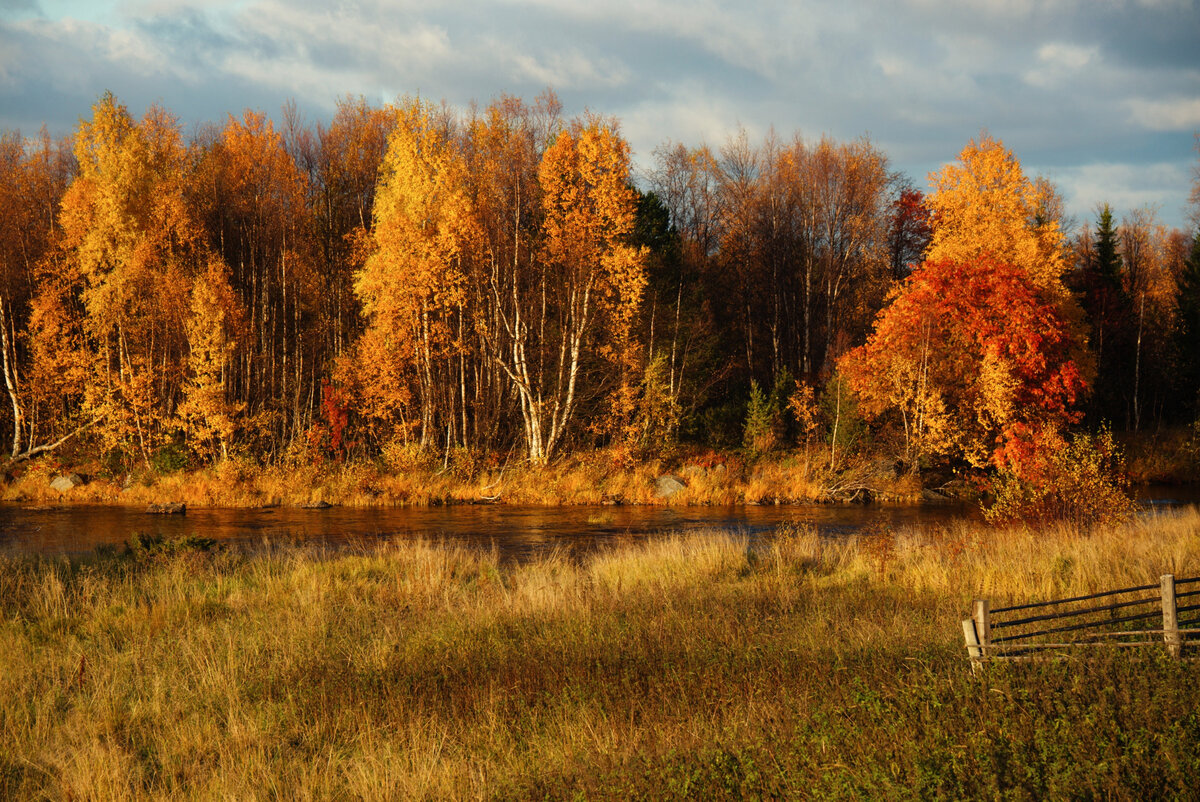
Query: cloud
[[1059, 62], [1065, 83], [1176, 114], [1124, 187], [19, 7]]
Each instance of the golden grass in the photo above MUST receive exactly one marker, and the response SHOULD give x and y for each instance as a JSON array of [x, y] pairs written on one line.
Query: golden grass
[[426, 670], [585, 478]]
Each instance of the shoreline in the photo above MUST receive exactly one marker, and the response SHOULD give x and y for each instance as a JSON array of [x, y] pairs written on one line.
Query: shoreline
[[696, 479]]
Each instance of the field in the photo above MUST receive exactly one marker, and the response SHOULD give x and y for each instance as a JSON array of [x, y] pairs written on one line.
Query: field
[[700, 666]]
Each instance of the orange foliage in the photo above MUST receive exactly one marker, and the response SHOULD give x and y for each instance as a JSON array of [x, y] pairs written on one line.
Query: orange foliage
[[130, 247], [213, 329], [973, 356]]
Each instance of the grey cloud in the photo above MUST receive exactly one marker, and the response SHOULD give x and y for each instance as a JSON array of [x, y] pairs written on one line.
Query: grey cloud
[[19, 7], [1058, 81]]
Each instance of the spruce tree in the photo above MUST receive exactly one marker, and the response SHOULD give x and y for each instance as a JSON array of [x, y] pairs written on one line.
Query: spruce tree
[[1109, 309], [1188, 333]]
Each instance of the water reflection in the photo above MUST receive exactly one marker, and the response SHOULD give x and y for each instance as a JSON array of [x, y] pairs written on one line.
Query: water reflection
[[514, 531]]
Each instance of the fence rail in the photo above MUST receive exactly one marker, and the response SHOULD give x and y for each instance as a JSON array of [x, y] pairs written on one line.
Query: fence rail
[[1052, 628]]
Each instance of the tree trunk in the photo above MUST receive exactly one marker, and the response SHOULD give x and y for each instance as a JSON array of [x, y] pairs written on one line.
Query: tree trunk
[[10, 377]]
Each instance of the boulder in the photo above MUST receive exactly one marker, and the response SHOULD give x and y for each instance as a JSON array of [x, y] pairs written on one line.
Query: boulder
[[170, 508], [667, 485], [67, 481], [315, 505], [691, 471]]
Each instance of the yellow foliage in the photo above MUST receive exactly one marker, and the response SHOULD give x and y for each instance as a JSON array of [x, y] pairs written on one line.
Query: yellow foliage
[[590, 211], [984, 204], [131, 247], [412, 279], [212, 332]]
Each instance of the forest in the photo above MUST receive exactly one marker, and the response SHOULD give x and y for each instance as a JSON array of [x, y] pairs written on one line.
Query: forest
[[498, 282]]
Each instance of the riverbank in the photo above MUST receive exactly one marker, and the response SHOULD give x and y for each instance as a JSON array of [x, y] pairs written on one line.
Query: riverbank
[[595, 477], [692, 667], [589, 478]]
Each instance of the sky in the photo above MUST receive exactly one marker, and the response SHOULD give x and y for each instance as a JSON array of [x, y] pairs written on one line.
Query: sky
[[1100, 96]]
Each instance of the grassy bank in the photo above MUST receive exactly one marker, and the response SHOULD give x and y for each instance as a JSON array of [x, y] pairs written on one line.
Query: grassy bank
[[586, 478], [1169, 455], [413, 478], [691, 667]]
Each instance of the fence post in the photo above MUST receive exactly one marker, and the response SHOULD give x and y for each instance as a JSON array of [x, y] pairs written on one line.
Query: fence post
[[972, 639], [1170, 615], [983, 627]]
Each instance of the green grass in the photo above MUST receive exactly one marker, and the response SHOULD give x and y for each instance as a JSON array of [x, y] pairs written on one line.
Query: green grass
[[694, 667]]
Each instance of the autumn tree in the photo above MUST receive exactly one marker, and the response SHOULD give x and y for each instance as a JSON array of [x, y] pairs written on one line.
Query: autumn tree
[[1150, 285], [792, 237], [412, 284], [252, 197], [350, 151], [504, 145], [853, 183], [974, 358], [216, 322], [129, 250], [909, 230], [33, 176], [589, 278], [984, 205]]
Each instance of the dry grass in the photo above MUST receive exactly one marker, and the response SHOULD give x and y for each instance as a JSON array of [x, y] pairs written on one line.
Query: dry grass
[[425, 670], [585, 478], [1167, 456]]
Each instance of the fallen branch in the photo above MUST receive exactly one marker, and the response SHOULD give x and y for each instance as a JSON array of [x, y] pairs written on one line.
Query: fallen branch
[[34, 451]]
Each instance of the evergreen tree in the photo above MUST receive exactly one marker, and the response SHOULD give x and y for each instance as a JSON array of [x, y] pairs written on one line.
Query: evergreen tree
[[1188, 333], [1108, 309]]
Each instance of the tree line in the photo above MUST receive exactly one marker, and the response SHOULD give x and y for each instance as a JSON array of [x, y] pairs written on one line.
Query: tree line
[[418, 277]]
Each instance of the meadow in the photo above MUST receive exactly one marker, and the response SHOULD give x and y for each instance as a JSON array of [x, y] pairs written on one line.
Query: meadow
[[697, 666]]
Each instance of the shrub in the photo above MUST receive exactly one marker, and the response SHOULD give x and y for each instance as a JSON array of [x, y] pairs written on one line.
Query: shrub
[[143, 546], [1080, 480], [170, 458], [406, 456]]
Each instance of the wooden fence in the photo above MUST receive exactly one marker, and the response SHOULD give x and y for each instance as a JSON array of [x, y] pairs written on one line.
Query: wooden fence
[[1114, 618]]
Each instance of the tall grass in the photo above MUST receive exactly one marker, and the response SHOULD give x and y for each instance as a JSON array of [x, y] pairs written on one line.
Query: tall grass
[[585, 478], [702, 665]]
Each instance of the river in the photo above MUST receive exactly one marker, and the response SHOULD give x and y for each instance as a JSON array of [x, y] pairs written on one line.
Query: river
[[515, 531]]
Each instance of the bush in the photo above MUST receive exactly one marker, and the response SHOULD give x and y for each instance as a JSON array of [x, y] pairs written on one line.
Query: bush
[[1081, 480], [143, 546], [407, 457], [170, 458]]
